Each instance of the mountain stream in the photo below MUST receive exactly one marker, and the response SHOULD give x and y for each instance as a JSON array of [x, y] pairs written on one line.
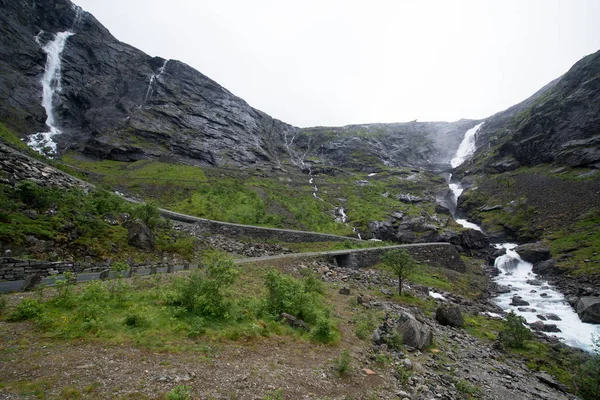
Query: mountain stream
[[517, 279]]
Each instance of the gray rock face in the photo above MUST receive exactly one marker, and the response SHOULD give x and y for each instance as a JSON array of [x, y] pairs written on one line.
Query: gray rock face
[[588, 309], [140, 236], [111, 107], [547, 267], [450, 316], [414, 333], [533, 252]]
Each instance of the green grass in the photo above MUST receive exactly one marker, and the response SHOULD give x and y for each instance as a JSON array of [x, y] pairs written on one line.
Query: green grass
[[170, 313], [580, 242], [250, 197]]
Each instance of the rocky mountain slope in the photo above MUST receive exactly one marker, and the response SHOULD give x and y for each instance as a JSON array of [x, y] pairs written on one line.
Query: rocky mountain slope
[[119, 103]]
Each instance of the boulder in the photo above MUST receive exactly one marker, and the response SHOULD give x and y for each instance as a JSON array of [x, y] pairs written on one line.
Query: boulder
[[450, 316], [471, 239], [588, 309], [294, 322], [533, 252], [140, 236], [518, 301], [547, 267], [414, 333]]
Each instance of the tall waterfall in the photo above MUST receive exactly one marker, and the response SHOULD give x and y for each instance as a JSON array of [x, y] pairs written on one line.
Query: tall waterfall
[[51, 84]]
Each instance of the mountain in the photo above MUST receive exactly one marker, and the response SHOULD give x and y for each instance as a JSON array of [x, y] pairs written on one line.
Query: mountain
[[119, 103]]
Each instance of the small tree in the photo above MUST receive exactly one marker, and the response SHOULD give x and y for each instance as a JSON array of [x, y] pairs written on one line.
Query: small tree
[[515, 333], [400, 263], [589, 380]]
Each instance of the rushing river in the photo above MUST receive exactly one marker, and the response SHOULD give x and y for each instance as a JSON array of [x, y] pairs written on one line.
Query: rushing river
[[517, 278]]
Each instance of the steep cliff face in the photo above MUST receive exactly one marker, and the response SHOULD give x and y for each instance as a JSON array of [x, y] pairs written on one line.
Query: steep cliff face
[[119, 103], [370, 147], [560, 124]]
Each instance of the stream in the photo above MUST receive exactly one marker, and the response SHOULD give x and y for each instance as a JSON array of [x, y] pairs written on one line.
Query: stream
[[544, 303]]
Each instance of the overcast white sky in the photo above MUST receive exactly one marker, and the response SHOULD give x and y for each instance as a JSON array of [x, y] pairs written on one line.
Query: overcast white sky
[[342, 62]]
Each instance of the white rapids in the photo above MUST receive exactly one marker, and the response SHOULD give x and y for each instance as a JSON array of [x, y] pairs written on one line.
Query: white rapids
[[51, 84], [517, 275], [542, 298]]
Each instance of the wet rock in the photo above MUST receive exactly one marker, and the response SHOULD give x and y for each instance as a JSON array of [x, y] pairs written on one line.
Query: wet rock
[[518, 301], [534, 282], [414, 333], [533, 252], [588, 309], [547, 267], [450, 316], [527, 309], [140, 236]]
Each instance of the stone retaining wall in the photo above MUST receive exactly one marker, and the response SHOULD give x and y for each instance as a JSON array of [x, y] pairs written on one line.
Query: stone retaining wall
[[12, 269], [239, 231]]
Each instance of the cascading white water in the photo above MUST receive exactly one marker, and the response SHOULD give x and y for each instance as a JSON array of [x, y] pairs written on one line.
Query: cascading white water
[[43, 142], [543, 300], [51, 84], [153, 79], [466, 147], [518, 277]]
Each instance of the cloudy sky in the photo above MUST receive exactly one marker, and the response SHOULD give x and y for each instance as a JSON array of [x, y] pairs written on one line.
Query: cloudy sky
[[327, 62]]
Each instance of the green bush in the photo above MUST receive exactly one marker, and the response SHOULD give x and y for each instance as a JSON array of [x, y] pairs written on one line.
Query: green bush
[[2, 304], [206, 293], [147, 212], [35, 196], [26, 309], [289, 295], [342, 364], [179, 392], [514, 333], [323, 330]]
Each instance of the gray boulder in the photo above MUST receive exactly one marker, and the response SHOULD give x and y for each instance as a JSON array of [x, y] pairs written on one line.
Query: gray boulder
[[450, 316], [588, 309], [414, 333], [518, 301], [547, 267], [533, 252], [140, 235]]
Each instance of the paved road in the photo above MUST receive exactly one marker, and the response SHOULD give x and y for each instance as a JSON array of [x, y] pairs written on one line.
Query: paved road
[[15, 286]]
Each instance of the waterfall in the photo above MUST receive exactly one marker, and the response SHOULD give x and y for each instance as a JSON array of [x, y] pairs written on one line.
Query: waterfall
[[153, 79], [466, 147], [51, 84], [517, 277]]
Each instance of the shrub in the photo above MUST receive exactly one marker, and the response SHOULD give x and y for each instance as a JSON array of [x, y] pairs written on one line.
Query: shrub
[[323, 330], [292, 296], [342, 363], [26, 309], [179, 392], [206, 293], [515, 333], [35, 196], [147, 212], [2, 304]]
